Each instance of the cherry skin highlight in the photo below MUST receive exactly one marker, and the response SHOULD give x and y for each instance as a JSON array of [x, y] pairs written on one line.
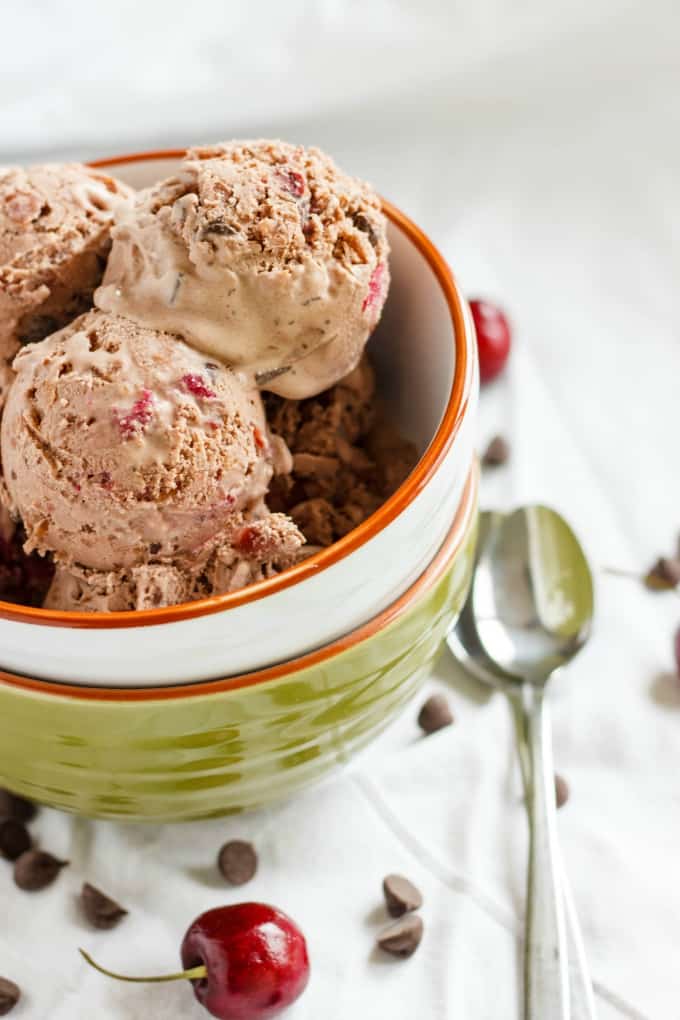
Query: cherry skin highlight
[[255, 958], [493, 338]]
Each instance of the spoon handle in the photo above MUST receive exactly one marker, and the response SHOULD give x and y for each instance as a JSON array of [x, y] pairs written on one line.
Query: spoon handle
[[546, 965], [581, 983]]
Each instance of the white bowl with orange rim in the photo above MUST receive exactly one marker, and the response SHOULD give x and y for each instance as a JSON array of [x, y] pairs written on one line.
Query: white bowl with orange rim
[[425, 358]]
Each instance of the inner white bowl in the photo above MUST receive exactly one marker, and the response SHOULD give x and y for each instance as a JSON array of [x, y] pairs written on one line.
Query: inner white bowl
[[413, 351]]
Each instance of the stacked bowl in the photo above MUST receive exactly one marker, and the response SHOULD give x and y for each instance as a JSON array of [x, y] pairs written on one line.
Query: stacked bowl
[[228, 703]]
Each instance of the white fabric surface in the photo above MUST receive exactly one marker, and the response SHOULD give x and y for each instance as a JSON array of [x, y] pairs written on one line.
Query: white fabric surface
[[538, 144]]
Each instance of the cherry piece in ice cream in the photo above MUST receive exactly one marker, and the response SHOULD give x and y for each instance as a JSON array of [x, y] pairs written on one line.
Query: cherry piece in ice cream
[[197, 385], [493, 338], [376, 287], [293, 182], [137, 418], [245, 962]]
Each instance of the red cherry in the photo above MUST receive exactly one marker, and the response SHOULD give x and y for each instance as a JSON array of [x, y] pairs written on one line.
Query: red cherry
[[255, 957], [493, 338], [245, 962]]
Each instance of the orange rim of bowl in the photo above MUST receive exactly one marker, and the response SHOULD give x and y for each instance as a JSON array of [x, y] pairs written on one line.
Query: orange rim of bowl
[[391, 508], [430, 576]]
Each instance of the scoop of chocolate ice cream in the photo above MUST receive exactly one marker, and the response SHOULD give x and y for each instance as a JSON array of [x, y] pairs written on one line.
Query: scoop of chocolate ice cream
[[55, 223], [121, 445], [262, 254]]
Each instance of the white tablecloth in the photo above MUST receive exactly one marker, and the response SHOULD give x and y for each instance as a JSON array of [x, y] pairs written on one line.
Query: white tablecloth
[[538, 144]]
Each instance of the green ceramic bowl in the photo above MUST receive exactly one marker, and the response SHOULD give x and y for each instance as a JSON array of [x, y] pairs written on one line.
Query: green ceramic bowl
[[213, 748]]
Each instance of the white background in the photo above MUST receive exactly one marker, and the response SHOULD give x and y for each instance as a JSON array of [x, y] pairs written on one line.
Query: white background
[[539, 144]]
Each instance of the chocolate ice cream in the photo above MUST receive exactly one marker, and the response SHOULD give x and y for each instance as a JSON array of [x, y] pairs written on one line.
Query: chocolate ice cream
[[347, 457], [55, 222], [137, 458], [251, 549], [122, 445], [262, 254]]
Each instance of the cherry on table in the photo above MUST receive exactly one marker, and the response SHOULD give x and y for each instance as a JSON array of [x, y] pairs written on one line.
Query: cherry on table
[[493, 337], [245, 962]]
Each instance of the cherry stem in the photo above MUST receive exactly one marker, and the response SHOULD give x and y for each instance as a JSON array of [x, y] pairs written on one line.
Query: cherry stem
[[193, 974]]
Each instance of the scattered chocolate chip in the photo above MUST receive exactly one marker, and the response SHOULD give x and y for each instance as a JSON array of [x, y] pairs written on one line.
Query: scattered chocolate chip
[[403, 937], [237, 861], [99, 909], [664, 575], [13, 806], [401, 896], [497, 452], [36, 869], [561, 790], [9, 995], [14, 839], [435, 714]]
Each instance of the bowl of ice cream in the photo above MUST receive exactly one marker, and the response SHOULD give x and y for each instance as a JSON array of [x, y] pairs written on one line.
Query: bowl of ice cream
[[199, 703]]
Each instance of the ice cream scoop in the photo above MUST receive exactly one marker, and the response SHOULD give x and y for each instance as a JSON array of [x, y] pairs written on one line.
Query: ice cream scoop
[[55, 223], [261, 254], [122, 445]]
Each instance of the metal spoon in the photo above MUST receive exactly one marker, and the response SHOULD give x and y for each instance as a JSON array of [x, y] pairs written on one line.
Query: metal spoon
[[532, 600], [464, 644]]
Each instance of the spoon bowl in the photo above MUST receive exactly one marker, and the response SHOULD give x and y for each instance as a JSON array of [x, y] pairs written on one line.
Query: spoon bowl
[[533, 593]]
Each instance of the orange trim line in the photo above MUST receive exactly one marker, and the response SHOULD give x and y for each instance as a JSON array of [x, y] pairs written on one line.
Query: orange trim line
[[391, 508], [432, 574]]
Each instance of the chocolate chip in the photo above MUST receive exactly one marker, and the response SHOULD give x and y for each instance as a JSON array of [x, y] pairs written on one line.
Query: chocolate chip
[[220, 227], [435, 714], [262, 378], [14, 839], [175, 289], [9, 995], [561, 790], [362, 223], [664, 575], [401, 896], [237, 861], [36, 869], [100, 910], [403, 937], [497, 452], [13, 806]]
